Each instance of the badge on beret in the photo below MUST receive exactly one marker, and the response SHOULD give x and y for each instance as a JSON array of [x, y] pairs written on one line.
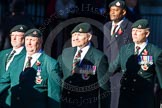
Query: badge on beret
[[21, 28], [118, 4], [80, 30], [139, 26], [35, 32]]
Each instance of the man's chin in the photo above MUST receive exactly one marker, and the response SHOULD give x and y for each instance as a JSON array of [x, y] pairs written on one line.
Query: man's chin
[[15, 46], [30, 52]]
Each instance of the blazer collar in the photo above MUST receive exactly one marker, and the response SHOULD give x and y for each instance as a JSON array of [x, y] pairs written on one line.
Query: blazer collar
[[147, 47], [122, 25], [40, 59], [89, 55], [70, 55]]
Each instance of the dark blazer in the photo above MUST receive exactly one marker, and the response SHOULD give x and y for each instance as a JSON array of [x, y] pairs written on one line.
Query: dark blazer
[[24, 92], [111, 47], [112, 44], [78, 92], [137, 84]]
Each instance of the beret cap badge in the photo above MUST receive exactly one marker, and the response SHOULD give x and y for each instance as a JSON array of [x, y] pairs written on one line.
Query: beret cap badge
[[80, 30], [21, 28], [139, 26], [117, 3], [35, 32]]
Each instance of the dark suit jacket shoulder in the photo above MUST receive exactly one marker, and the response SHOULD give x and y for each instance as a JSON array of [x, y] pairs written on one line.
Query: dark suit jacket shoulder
[[112, 44]]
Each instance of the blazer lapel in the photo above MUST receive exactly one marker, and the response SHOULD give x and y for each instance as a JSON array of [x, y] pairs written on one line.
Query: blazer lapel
[[71, 58], [88, 57], [19, 61], [22, 62], [68, 57], [23, 51], [147, 47], [40, 59], [21, 58], [130, 50], [6, 56]]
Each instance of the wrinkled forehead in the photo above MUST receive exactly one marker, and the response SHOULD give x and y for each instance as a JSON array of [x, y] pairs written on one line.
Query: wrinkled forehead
[[79, 34], [32, 38], [140, 29]]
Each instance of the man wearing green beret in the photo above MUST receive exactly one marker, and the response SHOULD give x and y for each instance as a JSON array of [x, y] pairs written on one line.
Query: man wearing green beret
[[85, 29], [8, 55], [83, 68], [117, 32], [139, 62], [34, 80], [17, 42]]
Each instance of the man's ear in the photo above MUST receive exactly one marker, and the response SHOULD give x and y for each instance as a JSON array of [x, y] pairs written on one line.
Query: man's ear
[[90, 36], [147, 33], [124, 12]]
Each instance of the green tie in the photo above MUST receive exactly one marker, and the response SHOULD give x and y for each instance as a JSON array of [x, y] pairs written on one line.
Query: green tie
[[28, 63], [76, 61], [137, 50], [10, 56]]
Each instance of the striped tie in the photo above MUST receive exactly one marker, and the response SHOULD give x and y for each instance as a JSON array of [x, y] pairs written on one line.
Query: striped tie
[[10, 56], [137, 50], [114, 30], [28, 63], [76, 61]]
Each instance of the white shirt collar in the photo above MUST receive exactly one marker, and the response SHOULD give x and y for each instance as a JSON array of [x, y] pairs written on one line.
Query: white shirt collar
[[118, 22], [18, 50], [142, 46], [84, 51], [118, 26], [34, 58]]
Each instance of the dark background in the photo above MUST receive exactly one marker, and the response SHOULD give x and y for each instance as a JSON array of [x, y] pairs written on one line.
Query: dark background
[[43, 17]]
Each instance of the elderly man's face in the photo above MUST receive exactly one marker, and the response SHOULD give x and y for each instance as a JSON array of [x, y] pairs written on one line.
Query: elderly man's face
[[116, 13], [17, 39], [80, 39], [32, 44], [140, 35]]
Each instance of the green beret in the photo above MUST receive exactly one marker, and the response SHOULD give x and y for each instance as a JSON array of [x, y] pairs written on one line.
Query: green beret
[[82, 28], [34, 33], [19, 28], [118, 3], [141, 24]]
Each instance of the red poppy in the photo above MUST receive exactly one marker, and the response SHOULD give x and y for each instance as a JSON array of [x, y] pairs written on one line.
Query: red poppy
[[120, 31], [38, 63], [145, 52]]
